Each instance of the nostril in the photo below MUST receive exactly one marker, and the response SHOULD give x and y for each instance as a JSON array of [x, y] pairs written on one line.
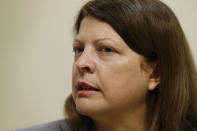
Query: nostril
[[85, 69], [88, 69]]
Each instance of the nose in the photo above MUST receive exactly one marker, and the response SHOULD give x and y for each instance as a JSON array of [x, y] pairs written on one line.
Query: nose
[[85, 63]]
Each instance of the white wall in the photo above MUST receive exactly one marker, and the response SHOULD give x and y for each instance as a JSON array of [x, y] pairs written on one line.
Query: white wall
[[36, 56]]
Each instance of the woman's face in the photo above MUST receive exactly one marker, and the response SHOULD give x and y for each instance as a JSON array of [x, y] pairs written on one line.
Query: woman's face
[[107, 75]]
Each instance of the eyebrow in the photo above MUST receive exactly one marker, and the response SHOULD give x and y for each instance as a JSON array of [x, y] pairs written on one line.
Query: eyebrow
[[95, 41], [77, 40]]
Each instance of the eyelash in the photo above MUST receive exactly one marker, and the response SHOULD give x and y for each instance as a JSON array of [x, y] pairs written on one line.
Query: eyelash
[[106, 49], [103, 49], [77, 50]]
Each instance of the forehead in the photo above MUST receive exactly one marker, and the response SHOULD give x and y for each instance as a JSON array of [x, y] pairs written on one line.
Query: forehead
[[92, 28]]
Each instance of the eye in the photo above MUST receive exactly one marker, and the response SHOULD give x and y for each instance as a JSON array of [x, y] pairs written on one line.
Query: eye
[[106, 49], [78, 50]]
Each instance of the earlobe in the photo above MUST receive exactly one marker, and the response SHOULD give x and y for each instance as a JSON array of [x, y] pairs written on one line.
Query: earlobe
[[153, 83], [154, 79]]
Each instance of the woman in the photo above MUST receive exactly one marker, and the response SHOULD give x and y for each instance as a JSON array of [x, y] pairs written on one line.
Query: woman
[[133, 70]]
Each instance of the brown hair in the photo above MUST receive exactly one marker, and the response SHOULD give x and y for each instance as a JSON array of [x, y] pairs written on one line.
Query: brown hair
[[150, 28]]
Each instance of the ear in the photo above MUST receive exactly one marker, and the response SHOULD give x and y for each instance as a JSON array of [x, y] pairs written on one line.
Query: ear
[[154, 79]]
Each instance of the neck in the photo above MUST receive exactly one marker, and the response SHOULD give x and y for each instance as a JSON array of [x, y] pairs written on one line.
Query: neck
[[122, 121]]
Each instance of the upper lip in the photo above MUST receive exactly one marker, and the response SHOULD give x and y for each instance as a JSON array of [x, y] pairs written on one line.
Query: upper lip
[[86, 85]]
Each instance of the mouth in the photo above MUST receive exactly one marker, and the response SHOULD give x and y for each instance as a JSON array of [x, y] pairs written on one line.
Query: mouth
[[85, 89], [82, 86]]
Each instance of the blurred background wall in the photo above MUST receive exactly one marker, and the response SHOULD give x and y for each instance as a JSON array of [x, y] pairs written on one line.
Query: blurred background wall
[[36, 56]]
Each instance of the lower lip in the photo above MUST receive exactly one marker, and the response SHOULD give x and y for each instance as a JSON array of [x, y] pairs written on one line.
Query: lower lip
[[87, 92]]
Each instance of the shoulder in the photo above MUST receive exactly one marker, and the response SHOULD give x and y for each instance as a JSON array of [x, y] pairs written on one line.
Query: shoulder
[[59, 125]]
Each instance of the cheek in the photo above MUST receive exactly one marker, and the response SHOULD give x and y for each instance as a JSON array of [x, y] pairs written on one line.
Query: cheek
[[120, 74], [123, 82], [74, 73], [74, 79]]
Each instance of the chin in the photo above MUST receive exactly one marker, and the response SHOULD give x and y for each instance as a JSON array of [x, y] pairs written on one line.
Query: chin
[[87, 108]]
